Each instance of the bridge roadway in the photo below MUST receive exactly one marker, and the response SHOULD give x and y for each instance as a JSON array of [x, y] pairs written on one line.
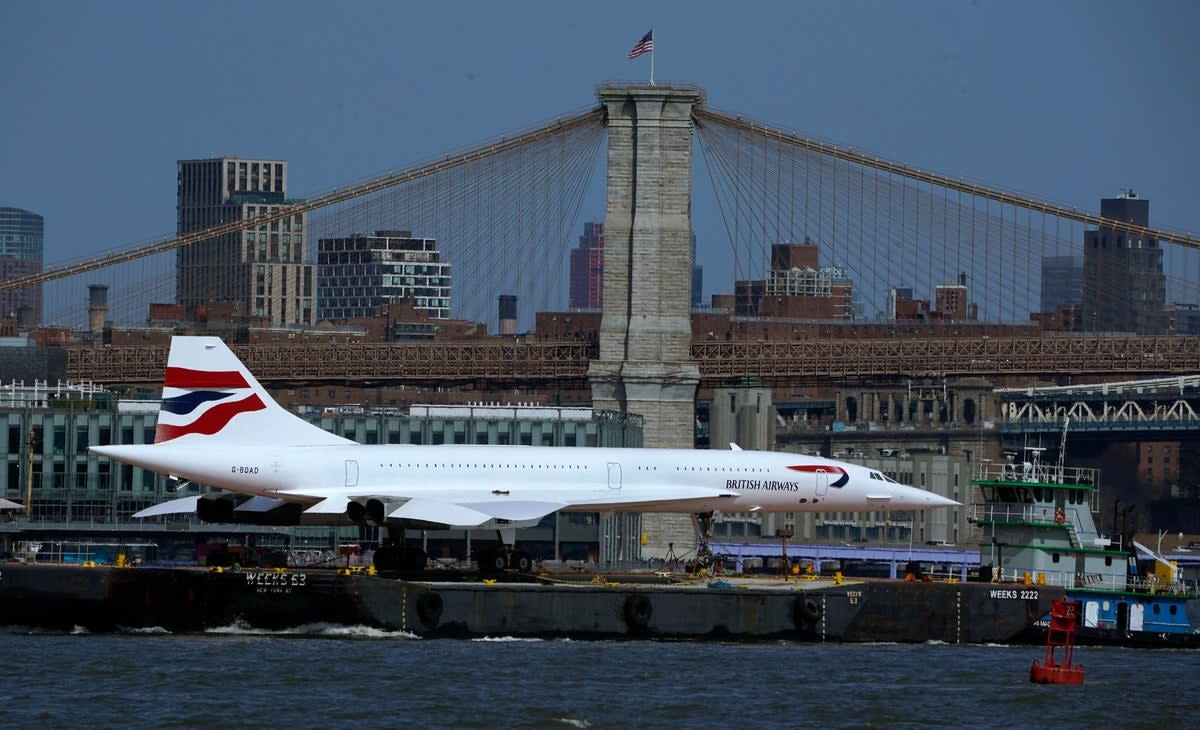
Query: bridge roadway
[[1159, 409], [502, 362]]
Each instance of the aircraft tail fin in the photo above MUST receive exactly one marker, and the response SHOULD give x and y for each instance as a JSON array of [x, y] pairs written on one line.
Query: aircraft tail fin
[[209, 397]]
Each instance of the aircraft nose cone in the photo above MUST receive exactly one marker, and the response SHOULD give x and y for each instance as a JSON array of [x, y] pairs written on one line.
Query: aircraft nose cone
[[921, 499], [934, 500]]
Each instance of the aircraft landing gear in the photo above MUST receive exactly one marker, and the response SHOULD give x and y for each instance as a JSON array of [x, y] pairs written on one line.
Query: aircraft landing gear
[[499, 559], [395, 554], [495, 560], [492, 561], [520, 561], [702, 524]]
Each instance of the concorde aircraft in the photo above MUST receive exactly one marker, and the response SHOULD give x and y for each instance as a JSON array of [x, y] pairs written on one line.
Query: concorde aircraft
[[219, 427]]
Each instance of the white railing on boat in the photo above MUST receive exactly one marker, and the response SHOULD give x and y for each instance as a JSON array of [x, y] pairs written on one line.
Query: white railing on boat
[[1097, 582], [1038, 472], [1017, 513]]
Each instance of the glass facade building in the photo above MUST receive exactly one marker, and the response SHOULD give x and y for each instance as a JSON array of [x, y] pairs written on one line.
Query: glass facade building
[[1062, 282], [22, 246], [359, 273]]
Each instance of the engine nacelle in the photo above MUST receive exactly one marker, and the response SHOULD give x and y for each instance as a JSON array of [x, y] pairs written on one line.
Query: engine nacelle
[[285, 515], [377, 511], [215, 508], [222, 509], [356, 512], [372, 512]]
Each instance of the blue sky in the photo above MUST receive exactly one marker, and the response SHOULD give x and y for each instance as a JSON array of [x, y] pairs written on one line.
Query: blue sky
[[1067, 101]]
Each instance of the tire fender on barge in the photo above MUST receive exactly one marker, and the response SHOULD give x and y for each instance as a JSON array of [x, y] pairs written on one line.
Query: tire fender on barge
[[429, 609], [638, 610], [806, 611]]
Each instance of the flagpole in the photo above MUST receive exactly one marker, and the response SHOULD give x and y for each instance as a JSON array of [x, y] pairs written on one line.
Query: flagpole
[[652, 61]]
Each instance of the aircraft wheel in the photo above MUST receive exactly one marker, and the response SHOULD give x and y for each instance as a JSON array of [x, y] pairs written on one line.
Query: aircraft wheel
[[415, 559], [521, 562], [492, 561], [386, 558]]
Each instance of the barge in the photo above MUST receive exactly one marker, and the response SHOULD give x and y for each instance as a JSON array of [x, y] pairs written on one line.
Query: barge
[[646, 606]]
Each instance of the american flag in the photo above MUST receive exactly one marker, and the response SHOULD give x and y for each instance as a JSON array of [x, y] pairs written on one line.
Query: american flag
[[645, 45]]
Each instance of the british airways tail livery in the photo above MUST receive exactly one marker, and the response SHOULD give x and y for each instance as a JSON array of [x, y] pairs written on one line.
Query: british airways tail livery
[[217, 426]]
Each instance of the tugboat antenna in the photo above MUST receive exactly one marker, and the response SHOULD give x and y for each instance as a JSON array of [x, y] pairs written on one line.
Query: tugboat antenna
[[1062, 447]]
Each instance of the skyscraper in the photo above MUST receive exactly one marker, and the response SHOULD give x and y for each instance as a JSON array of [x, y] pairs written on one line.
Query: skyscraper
[[22, 243], [262, 267], [587, 269], [1062, 282], [1124, 289], [359, 273]]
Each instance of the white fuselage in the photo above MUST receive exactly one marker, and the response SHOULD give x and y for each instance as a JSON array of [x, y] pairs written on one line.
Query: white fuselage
[[217, 426], [616, 479]]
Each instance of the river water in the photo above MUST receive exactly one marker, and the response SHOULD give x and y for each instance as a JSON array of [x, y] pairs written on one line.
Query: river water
[[358, 677]]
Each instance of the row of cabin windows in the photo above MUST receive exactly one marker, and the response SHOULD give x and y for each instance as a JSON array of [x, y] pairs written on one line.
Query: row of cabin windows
[[555, 466], [485, 466], [437, 438], [716, 468]]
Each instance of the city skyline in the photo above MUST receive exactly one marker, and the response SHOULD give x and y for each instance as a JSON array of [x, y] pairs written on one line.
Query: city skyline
[[201, 205], [952, 103]]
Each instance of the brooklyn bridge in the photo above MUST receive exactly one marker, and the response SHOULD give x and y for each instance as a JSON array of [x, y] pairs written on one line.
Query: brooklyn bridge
[[887, 236]]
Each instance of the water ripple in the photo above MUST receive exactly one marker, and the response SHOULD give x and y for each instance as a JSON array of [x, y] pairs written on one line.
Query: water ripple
[[324, 676]]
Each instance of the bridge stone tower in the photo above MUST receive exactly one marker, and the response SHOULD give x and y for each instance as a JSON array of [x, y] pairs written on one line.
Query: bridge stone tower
[[645, 362]]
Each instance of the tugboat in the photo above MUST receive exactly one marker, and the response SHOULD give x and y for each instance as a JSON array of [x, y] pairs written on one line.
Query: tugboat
[[1039, 528]]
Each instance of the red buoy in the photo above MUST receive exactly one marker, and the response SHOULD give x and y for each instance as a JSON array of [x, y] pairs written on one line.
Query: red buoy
[[1061, 633]]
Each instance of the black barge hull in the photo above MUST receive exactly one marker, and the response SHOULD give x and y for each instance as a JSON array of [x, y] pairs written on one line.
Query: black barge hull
[[62, 597]]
